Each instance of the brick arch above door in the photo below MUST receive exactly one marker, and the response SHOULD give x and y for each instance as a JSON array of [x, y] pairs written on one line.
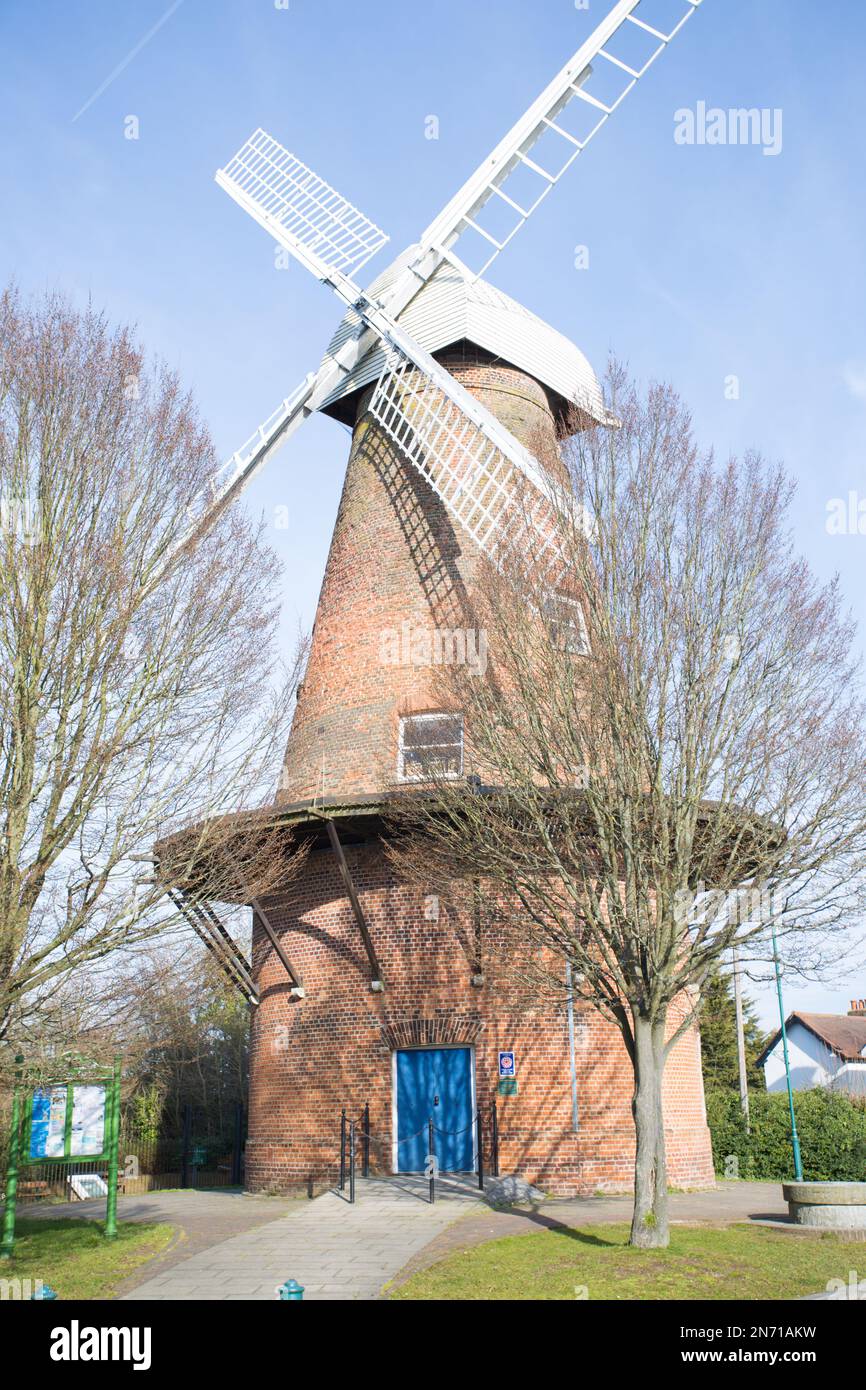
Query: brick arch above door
[[448, 1031]]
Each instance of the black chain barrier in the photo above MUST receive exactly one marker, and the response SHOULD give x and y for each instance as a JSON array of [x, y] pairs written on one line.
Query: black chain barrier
[[350, 1133]]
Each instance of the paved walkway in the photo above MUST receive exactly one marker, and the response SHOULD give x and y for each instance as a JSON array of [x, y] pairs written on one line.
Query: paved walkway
[[337, 1251], [231, 1245], [202, 1219]]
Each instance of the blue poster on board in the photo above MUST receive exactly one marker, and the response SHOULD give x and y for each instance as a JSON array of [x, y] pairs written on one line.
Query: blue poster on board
[[49, 1123], [39, 1125]]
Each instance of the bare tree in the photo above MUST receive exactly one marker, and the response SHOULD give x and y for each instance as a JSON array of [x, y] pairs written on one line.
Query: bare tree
[[184, 1034], [667, 754], [135, 696]]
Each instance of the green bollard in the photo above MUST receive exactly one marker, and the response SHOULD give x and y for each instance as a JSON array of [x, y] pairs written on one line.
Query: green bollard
[[291, 1290]]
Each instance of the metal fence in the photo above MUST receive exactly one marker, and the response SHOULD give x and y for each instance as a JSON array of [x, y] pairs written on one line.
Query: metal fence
[[149, 1161]]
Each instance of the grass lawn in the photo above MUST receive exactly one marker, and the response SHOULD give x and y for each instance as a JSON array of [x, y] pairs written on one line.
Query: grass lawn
[[75, 1259], [701, 1262]]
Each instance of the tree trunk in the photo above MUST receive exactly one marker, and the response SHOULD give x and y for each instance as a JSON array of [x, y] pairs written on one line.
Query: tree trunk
[[649, 1227]]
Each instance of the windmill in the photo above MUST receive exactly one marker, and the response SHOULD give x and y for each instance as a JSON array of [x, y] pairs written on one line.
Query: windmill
[[334, 975], [473, 463]]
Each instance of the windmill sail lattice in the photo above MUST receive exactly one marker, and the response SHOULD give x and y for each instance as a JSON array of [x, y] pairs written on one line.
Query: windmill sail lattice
[[233, 476], [329, 236], [480, 485], [237, 471], [498, 178], [288, 198], [475, 479]]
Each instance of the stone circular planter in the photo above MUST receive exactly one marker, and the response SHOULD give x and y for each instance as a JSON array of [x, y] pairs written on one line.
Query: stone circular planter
[[839, 1205]]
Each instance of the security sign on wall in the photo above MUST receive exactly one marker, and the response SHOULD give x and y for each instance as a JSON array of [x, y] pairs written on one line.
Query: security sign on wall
[[506, 1064]]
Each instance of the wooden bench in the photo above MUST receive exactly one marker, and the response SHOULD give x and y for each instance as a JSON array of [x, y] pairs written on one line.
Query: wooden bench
[[31, 1187]]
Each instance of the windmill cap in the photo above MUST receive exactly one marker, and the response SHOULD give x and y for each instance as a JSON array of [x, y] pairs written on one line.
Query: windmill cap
[[452, 309]]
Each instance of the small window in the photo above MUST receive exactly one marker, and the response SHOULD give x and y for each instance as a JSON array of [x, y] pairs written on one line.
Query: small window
[[431, 745], [567, 624]]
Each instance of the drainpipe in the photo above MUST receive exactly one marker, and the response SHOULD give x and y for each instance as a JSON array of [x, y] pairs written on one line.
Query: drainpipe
[[575, 1114]]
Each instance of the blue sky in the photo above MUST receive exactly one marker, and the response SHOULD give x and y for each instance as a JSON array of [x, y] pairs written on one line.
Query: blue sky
[[705, 262]]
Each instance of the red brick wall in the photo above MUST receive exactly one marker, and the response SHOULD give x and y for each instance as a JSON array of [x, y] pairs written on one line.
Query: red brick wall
[[313, 1056], [396, 556]]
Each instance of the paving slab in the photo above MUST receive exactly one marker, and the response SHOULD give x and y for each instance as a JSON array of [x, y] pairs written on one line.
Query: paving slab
[[335, 1249], [203, 1219], [233, 1245]]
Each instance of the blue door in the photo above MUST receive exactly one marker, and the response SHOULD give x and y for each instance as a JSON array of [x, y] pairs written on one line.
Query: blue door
[[437, 1082]]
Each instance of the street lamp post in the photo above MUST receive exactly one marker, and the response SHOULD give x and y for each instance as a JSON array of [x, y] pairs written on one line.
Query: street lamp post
[[741, 1040], [795, 1138]]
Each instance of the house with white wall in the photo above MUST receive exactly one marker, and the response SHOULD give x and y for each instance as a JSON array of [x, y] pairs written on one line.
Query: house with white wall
[[823, 1050]]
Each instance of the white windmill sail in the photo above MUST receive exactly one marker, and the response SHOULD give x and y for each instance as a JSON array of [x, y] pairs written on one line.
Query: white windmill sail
[[273, 203], [476, 480], [629, 42], [325, 230], [246, 461], [333, 239], [233, 476]]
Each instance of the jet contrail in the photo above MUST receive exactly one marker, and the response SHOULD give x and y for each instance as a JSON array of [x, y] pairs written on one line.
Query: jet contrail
[[128, 59]]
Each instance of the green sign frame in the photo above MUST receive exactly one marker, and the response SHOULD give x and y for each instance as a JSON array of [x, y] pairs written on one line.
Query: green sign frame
[[83, 1073], [28, 1158]]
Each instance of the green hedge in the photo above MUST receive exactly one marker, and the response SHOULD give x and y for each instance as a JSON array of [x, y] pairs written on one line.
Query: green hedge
[[832, 1130]]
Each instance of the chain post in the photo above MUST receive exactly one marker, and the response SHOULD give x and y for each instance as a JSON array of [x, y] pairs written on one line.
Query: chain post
[[366, 1168], [342, 1150], [351, 1160]]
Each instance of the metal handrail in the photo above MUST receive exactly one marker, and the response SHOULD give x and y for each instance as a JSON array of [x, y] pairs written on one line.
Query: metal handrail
[[350, 1133]]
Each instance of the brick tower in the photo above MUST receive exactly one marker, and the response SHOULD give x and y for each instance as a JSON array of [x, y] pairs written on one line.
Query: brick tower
[[391, 1002]]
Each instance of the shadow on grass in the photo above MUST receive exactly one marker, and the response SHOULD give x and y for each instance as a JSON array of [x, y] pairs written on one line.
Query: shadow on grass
[[536, 1216]]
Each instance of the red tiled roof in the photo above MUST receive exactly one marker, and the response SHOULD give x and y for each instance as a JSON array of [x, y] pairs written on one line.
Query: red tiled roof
[[844, 1035]]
